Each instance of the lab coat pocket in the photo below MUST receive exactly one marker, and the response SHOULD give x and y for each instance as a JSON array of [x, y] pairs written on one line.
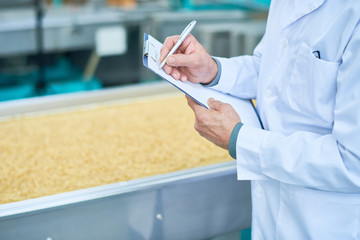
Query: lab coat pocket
[[311, 88], [312, 214]]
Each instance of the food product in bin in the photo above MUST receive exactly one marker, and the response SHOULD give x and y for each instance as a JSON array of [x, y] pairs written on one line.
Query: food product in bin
[[59, 152]]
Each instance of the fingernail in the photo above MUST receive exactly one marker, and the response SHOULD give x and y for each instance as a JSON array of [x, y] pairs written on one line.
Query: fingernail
[[167, 70]]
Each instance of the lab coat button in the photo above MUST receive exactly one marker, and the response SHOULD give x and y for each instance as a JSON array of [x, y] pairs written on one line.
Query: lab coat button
[[258, 190]]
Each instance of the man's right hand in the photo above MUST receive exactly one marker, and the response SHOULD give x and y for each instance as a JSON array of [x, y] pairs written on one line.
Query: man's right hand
[[191, 62]]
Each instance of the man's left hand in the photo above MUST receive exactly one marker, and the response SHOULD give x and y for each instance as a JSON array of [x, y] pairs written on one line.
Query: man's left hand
[[215, 124]]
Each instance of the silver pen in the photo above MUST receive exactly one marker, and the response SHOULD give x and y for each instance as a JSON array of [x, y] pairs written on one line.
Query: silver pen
[[182, 37]]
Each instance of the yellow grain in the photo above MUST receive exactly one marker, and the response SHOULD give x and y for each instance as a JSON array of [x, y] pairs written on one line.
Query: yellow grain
[[56, 153]]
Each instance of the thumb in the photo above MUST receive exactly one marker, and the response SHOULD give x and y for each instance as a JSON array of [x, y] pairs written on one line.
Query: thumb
[[214, 104], [179, 60]]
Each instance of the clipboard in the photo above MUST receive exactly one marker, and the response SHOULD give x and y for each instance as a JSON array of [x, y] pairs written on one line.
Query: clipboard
[[198, 92]]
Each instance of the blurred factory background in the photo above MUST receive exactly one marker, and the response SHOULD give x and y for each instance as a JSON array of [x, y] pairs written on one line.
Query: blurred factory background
[[60, 46]]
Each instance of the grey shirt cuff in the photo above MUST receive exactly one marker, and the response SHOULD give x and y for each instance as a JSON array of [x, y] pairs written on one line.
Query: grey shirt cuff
[[233, 139], [217, 77]]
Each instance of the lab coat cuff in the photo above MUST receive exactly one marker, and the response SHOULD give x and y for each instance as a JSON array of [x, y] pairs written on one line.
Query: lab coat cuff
[[233, 139], [248, 148], [226, 69], [217, 77]]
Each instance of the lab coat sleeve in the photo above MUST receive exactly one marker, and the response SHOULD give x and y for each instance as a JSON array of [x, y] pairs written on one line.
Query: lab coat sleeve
[[325, 162], [240, 81]]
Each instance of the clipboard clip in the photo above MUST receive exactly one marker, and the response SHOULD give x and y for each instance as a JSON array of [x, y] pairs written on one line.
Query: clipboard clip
[[146, 48]]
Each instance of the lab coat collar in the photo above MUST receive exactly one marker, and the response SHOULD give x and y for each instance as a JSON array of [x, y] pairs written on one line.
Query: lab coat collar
[[302, 8]]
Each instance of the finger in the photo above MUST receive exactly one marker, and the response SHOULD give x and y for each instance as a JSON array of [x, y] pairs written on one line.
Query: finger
[[175, 73], [183, 77], [195, 106], [188, 45], [167, 46], [163, 53], [214, 104], [167, 69], [180, 60], [191, 102]]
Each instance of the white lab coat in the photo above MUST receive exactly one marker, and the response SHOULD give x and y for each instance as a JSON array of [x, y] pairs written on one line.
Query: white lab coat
[[305, 165]]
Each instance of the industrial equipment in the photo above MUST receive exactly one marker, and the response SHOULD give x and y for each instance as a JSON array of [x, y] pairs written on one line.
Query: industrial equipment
[[196, 203]]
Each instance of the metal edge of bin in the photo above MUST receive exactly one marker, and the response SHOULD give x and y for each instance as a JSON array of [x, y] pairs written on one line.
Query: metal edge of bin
[[198, 203], [47, 104], [10, 210]]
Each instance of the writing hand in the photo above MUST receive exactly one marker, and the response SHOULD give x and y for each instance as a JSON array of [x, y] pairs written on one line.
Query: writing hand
[[189, 62]]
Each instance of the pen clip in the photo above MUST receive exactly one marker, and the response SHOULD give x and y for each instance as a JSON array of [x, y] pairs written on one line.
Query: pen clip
[[187, 27]]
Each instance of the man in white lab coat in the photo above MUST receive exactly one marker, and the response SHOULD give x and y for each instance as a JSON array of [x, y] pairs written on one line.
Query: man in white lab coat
[[305, 75]]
